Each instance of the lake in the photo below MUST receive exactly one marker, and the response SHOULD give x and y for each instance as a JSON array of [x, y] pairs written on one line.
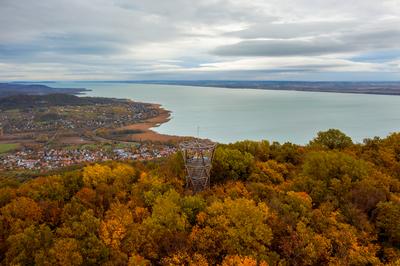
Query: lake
[[228, 115]]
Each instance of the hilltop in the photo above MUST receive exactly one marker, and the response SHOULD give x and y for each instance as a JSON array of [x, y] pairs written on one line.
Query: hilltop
[[9, 89]]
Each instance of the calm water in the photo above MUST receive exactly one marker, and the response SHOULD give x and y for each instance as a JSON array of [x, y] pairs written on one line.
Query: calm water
[[228, 115]]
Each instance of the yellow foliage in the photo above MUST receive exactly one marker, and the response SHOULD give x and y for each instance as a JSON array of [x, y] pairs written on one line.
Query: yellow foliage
[[112, 232], [236, 260], [233, 227], [94, 175], [122, 175], [136, 260], [140, 214], [113, 228], [65, 251], [22, 208], [269, 172], [183, 259]]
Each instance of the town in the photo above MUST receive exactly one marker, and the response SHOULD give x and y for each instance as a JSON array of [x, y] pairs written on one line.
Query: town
[[54, 158]]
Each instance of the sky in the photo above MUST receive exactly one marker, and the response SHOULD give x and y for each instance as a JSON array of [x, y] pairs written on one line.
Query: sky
[[340, 40]]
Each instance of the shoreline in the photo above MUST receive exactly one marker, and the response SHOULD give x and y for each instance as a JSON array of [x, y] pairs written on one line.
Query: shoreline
[[145, 127]]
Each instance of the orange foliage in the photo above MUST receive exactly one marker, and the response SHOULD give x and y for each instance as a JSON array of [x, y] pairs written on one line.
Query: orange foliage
[[327, 203]]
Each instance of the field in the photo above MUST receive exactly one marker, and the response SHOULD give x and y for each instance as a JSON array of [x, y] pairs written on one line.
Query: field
[[6, 147]]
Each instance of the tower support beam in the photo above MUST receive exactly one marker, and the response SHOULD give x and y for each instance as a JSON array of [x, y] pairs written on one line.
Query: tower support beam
[[198, 156]]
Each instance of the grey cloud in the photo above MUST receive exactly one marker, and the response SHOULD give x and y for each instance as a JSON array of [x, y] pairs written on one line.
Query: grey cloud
[[318, 45], [281, 48], [203, 12], [386, 38], [126, 38], [23, 21], [268, 29]]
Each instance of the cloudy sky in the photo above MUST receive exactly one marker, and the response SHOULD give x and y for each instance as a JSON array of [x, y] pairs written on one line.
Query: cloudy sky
[[203, 39]]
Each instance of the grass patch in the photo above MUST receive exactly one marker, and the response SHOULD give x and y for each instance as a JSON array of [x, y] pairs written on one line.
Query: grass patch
[[6, 147], [126, 132]]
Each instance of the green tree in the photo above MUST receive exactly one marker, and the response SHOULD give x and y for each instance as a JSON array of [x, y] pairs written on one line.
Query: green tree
[[82, 225], [332, 139], [191, 206], [231, 164], [259, 149], [330, 175], [286, 153], [30, 245], [387, 220]]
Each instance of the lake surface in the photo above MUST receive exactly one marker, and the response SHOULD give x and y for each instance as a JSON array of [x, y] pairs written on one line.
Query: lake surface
[[228, 115]]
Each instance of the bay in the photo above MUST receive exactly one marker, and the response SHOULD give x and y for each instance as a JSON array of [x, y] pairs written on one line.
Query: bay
[[228, 115]]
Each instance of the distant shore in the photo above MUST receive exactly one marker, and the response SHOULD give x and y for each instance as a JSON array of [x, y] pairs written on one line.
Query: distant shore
[[356, 87], [377, 88]]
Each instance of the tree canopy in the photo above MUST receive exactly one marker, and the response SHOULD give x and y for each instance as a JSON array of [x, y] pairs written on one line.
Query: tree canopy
[[331, 202]]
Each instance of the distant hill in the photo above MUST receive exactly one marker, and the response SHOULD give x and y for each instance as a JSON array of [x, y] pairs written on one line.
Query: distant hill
[[9, 89], [383, 88], [59, 99]]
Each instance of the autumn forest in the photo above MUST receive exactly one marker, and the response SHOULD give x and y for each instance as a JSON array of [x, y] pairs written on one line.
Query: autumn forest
[[331, 202]]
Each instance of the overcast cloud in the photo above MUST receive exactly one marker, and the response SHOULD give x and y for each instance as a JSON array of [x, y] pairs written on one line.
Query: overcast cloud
[[205, 39]]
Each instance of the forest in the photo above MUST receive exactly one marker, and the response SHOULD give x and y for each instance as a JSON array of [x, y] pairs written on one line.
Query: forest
[[330, 202]]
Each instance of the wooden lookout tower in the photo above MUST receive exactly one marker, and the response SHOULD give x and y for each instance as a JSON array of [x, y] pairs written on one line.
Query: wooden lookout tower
[[198, 155]]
